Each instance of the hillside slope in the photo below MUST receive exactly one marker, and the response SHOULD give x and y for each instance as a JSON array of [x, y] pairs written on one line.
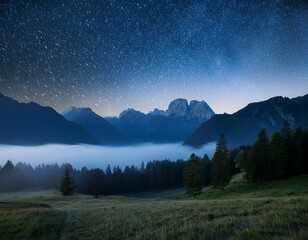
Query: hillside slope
[[242, 127], [94, 124], [32, 124]]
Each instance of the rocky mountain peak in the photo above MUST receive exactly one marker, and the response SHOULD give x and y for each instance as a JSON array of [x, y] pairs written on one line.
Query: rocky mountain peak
[[200, 110], [178, 108]]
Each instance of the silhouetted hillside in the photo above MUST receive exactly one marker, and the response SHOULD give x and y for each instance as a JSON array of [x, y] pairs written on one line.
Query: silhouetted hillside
[[94, 124], [243, 126], [32, 124]]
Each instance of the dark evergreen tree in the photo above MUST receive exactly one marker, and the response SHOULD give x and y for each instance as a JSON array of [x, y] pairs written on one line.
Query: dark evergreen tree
[[221, 174], [193, 175], [8, 168], [277, 164], [299, 151], [108, 180], [97, 182], [117, 180], [258, 160], [305, 147], [67, 184], [7, 182], [288, 149], [207, 163], [250, 163]]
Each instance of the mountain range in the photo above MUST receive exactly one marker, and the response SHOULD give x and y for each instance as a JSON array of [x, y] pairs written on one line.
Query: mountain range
[[193, 123], [172, 125], [32, 124], [242, 127]]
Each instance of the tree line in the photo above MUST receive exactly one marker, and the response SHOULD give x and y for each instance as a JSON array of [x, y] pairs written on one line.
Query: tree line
[[155, 175], [283, 155]]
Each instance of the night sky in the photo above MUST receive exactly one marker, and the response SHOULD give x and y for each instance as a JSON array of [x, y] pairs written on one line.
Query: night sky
[[111, 55]]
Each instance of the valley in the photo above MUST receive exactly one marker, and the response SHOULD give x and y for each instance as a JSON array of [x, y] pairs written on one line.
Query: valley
[[153, 120]]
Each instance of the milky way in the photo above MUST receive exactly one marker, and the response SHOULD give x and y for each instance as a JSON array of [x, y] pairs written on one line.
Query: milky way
[[110, 55]]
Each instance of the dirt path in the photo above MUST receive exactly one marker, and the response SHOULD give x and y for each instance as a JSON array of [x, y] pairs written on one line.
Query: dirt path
[[72, 216]]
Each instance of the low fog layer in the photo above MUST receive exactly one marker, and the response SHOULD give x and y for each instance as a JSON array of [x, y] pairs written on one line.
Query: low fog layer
[[99, 156]]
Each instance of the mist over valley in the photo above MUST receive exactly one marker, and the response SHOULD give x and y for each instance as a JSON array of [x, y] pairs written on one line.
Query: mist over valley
[[93, 156]]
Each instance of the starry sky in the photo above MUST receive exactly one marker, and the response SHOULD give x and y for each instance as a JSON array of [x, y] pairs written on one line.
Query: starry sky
[[113, 54]]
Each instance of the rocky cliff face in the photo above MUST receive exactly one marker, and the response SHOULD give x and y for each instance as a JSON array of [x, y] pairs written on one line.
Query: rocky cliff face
[[178, 108], [198, 110]]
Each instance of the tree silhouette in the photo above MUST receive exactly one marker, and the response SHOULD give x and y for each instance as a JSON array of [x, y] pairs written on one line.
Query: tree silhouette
[[207, 164], [67, 184], [289, 148], [277, 163], [258, 159], [221, 175], [193, 175]]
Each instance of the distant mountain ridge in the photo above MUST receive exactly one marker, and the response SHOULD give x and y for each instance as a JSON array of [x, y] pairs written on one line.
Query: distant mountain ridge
[[242, 127], [96, 125], [32, 124], [172, 125]]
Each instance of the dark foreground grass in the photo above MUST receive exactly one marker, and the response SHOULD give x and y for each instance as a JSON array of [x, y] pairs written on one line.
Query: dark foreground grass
[[265, 211], [19, 220], [223, 219]]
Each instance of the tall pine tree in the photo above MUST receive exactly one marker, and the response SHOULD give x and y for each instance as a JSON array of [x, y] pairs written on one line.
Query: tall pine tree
[[207, 163], [221, 174], [258, 159], [194, 175], [299, 149], [67, 184], [277, 164], [288, 147]]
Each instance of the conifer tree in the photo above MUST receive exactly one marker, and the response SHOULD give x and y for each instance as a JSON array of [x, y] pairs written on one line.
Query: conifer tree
[[258, 159], [221, 175], [250, 167], [305, 152], [288, 149], [299, 149], [194, 175], [67, 184], [263, 155], [277, 164], [207, 164]]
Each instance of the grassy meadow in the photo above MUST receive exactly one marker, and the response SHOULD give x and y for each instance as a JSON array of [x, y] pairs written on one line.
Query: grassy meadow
[[272, 210]]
